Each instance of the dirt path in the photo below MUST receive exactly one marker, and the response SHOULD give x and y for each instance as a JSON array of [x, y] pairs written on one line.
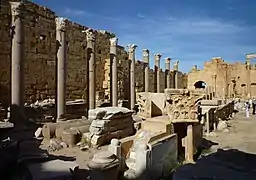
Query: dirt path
[[242, 135], [233, 158]]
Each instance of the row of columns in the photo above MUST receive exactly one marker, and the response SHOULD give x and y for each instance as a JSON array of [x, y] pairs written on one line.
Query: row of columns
[[18, 49]]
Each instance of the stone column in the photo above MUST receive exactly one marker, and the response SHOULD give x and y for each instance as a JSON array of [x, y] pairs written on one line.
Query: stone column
[[175, 70], [146, 61], [157, 64], [61, 66], [131, 51], [167, 70], [113, 59], [248, 77], [90, 37], [17, 64], [214, 77], [189, 145]]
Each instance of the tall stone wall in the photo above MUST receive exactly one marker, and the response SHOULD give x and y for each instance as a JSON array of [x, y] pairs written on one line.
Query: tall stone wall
[[40, 59]]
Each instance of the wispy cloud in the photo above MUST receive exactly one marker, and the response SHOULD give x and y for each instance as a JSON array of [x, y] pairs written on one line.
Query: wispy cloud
[[190, 39]]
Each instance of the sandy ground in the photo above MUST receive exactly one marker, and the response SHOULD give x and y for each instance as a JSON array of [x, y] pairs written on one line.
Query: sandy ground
[[232, 155], [242, 135]]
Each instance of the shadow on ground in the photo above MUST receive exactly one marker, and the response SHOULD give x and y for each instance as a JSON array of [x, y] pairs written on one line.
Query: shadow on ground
[[222, 165]]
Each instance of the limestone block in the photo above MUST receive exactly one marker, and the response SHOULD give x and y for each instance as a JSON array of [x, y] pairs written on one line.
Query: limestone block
[[213, 102], [109, 113], [106, 138]]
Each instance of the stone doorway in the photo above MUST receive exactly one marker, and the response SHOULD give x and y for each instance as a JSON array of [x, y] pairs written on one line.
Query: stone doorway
[[200, 85]]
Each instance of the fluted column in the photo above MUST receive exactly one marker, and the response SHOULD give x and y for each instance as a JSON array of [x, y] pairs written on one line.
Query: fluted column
[[176, 78], [146, 61], [61, 66], [131, 51], [90, 37], [113, 59], [17, 64], [167, 70], [157, 64]]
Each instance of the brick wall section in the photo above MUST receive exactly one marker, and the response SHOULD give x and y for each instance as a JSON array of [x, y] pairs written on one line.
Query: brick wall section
[[40, 59]]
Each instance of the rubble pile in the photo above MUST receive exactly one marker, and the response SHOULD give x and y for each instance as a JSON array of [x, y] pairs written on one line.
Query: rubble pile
[[45, 110], [108, 123]]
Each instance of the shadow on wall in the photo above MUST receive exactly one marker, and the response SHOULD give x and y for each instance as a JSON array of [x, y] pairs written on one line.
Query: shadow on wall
[[222, 165], [4, 96]]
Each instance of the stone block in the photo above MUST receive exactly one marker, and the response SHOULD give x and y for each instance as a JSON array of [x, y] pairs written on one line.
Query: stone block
[[213, 102]]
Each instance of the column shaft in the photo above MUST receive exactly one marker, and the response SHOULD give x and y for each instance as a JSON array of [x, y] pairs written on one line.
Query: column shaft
[[113, 59], [17, 64], [167, 68], [190, 144], [61, 67], [157, 64], [91, 57], [146, 61], [132, 75]]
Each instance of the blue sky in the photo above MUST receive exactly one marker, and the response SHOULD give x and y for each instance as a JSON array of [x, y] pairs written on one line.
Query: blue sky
[[191, 31]]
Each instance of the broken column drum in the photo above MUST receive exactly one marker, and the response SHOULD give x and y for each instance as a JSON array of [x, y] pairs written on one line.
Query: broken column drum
[[90, 35], [157, 64], [167, 68], [176, 69], [131, 51], [18, 49], [113, 54], [61, 66], [146, 61]]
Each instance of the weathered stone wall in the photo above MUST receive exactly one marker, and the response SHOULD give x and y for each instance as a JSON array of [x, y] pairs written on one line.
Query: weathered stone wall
[[232, 80], [40, 59]]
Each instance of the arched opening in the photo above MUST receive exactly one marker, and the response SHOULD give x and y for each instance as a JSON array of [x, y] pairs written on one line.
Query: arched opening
[[200, 85]]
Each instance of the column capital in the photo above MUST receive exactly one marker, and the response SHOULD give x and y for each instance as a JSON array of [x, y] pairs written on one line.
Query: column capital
[[176, 66], [17, 8], [113, 41], [167, 60], [145, 52], [157, 56], [61, 23], [131, 48], [90, 35]]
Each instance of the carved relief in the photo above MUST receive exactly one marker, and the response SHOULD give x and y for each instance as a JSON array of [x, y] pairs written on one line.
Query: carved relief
[[143, 105], [167, 60], [145, 52], [131, 48], [182, 105], [61, 23], [16, 8], [90, 35], [114, 41], [157, 56], [176, 66]]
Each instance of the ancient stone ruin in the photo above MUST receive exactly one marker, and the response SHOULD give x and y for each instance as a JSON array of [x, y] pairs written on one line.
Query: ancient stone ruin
[[74, 102]]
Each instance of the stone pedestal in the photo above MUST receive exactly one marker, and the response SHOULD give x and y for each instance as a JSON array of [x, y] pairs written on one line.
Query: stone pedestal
[[17, 64], [105, 165], [90, 35], [131, 51], [167, 72], [157, 64], [61, 66], [146, 61], [113, 59]]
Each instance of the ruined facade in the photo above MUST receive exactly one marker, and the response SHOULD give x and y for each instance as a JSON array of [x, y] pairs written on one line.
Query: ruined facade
[[224, 79], [40, 59]]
